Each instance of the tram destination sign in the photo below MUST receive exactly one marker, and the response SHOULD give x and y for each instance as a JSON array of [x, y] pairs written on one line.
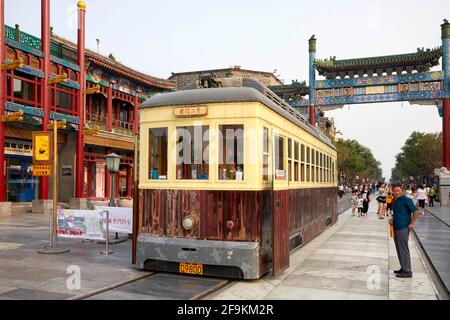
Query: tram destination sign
[[190, 111], [41, 170], [42, 147]]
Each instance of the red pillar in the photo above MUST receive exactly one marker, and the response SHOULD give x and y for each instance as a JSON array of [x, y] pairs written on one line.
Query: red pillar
[[89, 179], [135, 114], [129, 181], [109, 110], [81, 104], [312, 115], [107, 179], [446, 133], [45, 36], [2, 103], [117, 185]]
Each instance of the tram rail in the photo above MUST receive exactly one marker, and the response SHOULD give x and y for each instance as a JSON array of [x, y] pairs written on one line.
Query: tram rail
[[176, 283]]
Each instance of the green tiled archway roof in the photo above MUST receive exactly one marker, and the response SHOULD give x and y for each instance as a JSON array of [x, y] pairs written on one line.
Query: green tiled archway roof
[[422, 60]]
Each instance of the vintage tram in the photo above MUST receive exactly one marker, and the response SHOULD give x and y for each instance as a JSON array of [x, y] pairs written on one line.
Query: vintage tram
[[231, 178]]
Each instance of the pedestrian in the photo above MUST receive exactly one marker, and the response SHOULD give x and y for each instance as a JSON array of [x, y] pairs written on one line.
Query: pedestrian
[[354, 201], [360, 205], [366, 199], [341, 190], [381, 201], [432, 196], [421, 196], [389, 204], [403, 224], [409, 192]]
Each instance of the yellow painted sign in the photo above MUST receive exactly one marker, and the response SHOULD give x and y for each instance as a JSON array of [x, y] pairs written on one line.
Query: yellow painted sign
[[191, 111], [375, 90], [41, 171], [42, 147]]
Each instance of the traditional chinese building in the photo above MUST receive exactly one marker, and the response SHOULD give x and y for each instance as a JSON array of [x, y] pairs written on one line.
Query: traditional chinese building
[[113, 108], [267, 78]]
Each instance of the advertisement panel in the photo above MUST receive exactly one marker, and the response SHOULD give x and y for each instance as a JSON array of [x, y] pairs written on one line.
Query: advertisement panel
[[80, 224]]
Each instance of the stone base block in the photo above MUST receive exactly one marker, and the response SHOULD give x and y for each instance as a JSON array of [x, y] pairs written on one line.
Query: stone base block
[[444, 186], [5, 209], [125, 203], [78, 204], [42, 207]]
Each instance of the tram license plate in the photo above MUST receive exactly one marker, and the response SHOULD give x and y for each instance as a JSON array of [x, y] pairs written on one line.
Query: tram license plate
[[191, 268]]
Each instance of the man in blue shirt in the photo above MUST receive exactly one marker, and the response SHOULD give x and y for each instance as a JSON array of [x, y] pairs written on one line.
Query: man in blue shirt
[[403, 225]]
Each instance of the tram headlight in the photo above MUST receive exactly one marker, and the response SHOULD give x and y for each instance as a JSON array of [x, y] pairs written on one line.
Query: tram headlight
[[188, 223]]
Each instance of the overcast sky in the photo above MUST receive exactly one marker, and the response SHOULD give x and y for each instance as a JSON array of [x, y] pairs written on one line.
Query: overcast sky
[[160, 37]]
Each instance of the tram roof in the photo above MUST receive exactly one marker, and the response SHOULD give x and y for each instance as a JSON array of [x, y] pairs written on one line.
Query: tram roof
[[235, 94]]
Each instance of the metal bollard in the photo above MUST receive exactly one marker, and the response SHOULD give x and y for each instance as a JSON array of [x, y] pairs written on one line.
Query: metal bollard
[[107, 252]]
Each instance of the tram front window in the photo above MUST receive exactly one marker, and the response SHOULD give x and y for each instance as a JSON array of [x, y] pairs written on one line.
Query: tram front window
[[158, 153], [193, 153], [231, 152]]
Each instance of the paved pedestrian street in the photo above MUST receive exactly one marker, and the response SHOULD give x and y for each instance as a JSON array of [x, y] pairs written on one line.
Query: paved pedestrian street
[[352, 260]]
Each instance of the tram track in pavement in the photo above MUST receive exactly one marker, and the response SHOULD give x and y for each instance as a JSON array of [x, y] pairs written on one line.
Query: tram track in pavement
[[159, 286]]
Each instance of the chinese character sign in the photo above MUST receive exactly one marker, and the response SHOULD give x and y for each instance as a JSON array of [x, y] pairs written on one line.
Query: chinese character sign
[[120, 219], [42, 147]]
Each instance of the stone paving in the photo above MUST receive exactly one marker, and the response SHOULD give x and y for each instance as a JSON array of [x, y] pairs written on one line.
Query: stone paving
[[433, 232], [352, 260], [25, 274], [339, 264]]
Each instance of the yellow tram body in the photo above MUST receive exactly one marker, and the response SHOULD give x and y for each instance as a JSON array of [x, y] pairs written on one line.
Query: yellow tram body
[[253, 116]]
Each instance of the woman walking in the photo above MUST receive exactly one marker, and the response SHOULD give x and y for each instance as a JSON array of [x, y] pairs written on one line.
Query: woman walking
[[421, 196], [381, 201], [366, 199]]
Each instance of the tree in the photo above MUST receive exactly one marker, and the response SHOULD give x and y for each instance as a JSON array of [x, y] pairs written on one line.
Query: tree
[[421, 154], [355, 160]]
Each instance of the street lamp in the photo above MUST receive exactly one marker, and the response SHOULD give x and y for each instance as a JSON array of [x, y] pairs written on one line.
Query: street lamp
[[112, 165]]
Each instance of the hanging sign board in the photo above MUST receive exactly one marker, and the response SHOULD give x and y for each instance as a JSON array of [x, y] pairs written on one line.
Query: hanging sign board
[[42, 170], [42, 147]]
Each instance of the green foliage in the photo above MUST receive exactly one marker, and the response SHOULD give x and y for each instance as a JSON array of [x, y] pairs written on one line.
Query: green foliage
[[421, 154], [355, 160]]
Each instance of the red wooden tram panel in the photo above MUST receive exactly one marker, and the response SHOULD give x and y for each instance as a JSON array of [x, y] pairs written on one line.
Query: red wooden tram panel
[[280, 231], [221, 215]]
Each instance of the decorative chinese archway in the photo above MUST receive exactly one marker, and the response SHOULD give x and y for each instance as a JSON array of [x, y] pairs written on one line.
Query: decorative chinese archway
[[403, 77]]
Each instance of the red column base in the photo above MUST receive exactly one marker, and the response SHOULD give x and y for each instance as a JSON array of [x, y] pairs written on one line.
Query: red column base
[[446, 133]]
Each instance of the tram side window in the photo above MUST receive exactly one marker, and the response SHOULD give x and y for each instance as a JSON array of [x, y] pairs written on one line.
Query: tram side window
[[296, 161], [157, 149], [193, 153], [231, 152], [332, 172], [302, 166], [265, 154], [308, 167], [279, 158], [290, 160], [313, 168], [321, 168], [328, 170]]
